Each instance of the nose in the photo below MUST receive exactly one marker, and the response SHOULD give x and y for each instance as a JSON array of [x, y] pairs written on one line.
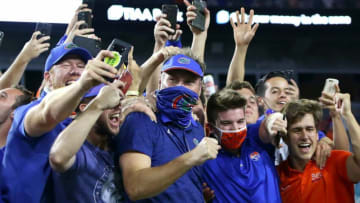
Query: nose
[[76, 71]]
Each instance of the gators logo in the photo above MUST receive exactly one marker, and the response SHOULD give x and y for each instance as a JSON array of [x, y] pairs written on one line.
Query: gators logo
[[183, 102], [255, 156], [184, 60]]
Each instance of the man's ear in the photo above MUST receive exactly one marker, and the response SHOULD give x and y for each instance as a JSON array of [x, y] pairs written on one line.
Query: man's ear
[[82, 107], [12, 116], [260, 101]]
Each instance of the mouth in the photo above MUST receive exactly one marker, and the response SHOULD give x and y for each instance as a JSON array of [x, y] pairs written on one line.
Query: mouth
[[115, 120], [282, 103], [304, 147]]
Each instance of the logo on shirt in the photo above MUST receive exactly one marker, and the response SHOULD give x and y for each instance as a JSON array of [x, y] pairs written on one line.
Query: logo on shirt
[[255, 156], [316, 176], [195, 141], [106, 189]]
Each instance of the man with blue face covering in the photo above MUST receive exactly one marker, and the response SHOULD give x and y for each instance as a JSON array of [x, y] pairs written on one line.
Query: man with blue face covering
[[160, 160]]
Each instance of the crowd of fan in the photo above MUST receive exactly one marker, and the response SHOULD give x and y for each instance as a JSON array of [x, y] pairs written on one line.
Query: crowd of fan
[[90, 136]]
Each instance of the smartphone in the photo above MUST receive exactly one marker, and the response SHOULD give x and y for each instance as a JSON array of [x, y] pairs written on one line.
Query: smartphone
[[329, 86], [209, 85], [44, 28], [92, 45], [121, 51], [85, 16], [171, 11], [1, 37], [126, 78], [199, 21]]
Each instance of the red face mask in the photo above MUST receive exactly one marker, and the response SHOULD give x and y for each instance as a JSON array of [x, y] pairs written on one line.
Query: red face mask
[[232, 139]]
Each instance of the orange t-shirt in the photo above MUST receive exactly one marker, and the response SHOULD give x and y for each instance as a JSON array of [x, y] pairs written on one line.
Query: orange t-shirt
[[328, 185]]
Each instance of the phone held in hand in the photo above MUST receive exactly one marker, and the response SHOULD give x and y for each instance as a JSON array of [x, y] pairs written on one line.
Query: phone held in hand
[[120, 50], [85, 16], [329, 86], [171, 11], [92, 45], [1, 37], [199, 21], [44, 28]]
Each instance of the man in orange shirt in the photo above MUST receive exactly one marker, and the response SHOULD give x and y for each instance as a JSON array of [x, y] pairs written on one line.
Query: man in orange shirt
[[300, 179]]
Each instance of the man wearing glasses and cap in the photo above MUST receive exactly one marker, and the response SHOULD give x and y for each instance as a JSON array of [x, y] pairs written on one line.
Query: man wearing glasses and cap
[[69, 74], [159, 160]]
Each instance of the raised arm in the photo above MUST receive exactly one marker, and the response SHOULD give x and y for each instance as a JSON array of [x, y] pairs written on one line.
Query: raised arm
[[68, 143], [32, 49], [161, 34], [199, 37], [243, 34], [341, 141], [353, 161], [60, 103], [73, 28], [143, 181]]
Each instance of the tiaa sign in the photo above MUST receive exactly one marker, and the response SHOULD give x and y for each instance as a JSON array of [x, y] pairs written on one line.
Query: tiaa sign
[[119, 12]]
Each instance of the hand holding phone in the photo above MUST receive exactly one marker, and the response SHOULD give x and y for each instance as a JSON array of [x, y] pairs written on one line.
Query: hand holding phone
[[330, 86], [44, 28], [85, 16], [120, 50], [171, 11], [199, 21]]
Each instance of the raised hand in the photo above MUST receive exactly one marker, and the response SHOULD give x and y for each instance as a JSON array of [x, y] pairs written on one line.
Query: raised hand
[[34, 47], [191, 15], [163, 28], [243, 32], [96, 71]]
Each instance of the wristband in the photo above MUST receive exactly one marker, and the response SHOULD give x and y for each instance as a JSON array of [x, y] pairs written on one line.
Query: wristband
[[132, 93]]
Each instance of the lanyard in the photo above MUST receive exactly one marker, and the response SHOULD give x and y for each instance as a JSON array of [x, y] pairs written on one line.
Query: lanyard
[[183, 147]]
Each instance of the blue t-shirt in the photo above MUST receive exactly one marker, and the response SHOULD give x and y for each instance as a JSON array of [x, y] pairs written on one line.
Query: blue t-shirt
[[25, 165], [163, 142], [252, 177], [92, 178]]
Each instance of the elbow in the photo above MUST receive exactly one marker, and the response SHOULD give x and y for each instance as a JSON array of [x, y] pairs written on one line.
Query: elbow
[[133, 190], [133, 193], [57, 163]]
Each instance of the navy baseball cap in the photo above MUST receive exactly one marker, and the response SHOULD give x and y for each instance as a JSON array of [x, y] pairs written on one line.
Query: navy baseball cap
[[59, 52], [183, 62], [93, 92]]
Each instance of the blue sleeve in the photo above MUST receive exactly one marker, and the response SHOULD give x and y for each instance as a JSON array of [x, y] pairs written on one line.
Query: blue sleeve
[[137, 133], [253, 133], [321, 134], [62, 40], [19, 119], [176, 43]]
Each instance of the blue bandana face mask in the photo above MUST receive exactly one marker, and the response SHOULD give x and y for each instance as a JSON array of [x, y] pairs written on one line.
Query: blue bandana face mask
[[176, 103]]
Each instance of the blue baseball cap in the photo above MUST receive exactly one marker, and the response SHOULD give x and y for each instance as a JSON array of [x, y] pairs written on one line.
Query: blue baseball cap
[[183, 62], [59, 52], [93, 92]]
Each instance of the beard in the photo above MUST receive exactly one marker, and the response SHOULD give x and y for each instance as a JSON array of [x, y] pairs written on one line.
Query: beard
[[102, 128]]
